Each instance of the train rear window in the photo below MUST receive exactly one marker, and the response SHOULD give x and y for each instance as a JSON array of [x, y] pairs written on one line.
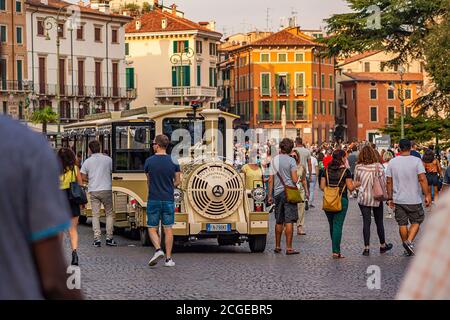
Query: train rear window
[[132, 145]]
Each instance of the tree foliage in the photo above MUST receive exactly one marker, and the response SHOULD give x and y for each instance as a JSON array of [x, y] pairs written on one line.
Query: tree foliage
[[44, 116], [409, 29], [421, 129]]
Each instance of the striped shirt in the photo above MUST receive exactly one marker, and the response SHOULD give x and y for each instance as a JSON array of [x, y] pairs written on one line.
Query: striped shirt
[[366, 174]]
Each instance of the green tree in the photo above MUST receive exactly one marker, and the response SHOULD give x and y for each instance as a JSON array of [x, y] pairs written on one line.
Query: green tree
[[133, 8], [146, 7], [421, 129], [408, 29], [44, 116]]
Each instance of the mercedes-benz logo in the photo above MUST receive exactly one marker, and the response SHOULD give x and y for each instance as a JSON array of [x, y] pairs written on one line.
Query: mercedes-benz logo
[[218, 191]]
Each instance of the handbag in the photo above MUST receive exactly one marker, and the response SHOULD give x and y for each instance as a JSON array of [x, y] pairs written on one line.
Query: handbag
[[293, 195], [300, 187], [379, 191], [76, 193], [332, 196]]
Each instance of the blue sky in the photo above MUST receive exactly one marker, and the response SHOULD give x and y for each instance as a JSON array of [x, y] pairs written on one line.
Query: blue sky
[[234, 16]]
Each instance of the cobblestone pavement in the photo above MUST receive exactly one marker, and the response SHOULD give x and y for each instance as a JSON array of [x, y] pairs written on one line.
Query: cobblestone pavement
[[206, 271]]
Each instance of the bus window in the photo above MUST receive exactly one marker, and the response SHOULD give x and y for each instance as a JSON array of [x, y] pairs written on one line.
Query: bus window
[[131, 146], [195, 129]]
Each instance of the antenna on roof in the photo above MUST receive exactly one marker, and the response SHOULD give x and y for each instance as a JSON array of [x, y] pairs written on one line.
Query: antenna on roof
[[293, 18], [267, 19]]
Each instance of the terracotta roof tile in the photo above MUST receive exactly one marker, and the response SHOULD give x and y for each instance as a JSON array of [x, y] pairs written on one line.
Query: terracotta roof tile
[[359, 56], [151, 22], [382, 76], [284, 38], [56, 4]]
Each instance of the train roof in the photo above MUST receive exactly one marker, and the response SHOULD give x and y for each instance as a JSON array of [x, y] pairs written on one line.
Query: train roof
[[138, 114]]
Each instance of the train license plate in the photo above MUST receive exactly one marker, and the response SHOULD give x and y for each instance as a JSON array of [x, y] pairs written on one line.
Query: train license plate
[[218, 227]]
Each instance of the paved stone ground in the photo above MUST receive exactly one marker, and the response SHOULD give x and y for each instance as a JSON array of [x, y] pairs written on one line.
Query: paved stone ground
[[206, 271]]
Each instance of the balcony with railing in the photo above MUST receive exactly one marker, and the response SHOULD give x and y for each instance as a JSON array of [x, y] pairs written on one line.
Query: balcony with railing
[[85, 91], [269, 117], [15, 86], [188, 92], [284, 91]]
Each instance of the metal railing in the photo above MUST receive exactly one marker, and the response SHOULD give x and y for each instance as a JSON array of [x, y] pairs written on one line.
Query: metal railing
[[174, 92], [10, 85], [277, 117], [85, 91]]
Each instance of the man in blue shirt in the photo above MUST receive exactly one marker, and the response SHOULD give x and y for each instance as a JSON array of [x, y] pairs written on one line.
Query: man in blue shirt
[[163, 174]]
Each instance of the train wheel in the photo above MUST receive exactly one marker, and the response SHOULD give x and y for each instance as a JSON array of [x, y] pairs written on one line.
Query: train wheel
[[257, 243], [82, 219], [145, 238]]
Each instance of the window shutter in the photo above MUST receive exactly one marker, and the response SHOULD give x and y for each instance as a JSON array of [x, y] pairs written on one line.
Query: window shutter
[[278, 111], [175, 47], [174, 76], [187, 76], [260, 111], [186, 45], [288, 110], [288, 83], [130, 78], [277, 85]]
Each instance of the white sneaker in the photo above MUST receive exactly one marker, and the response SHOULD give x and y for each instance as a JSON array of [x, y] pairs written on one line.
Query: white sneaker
[[156, 257], [170, 263]]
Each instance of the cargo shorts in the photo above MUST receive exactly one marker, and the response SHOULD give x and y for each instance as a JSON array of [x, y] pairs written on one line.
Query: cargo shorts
[[413, 213], [285, 212]]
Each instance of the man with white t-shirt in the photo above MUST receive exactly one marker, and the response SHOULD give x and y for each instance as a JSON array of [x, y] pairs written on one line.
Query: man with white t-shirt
[[97, 170], [313, 178], [406, 181]]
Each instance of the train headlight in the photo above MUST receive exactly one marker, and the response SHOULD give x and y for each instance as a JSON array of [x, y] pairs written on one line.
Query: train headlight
[[259, 194], [178, 195]]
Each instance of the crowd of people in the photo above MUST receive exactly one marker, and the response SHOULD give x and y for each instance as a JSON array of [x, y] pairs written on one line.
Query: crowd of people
[[406, 175]]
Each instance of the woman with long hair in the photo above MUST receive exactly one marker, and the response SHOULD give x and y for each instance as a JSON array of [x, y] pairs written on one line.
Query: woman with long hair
[[336, 174], [367, 170], [433, 172], [70, 173]]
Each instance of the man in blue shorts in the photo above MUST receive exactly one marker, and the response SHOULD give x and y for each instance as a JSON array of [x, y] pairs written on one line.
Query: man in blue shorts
[[163, 174]]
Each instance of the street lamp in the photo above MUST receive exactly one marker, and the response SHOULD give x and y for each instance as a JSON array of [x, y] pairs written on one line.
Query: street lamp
[[401, 72], [48, 23], [177, 61]]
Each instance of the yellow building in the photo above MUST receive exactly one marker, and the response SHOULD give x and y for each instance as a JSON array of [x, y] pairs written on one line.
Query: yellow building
[[279, 71]]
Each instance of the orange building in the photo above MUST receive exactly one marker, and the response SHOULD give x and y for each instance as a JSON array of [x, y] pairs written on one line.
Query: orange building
[[283, 70]]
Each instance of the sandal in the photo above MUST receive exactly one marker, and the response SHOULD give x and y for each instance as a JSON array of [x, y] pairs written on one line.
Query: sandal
[[277, 250], [291, 252], [338, 256]]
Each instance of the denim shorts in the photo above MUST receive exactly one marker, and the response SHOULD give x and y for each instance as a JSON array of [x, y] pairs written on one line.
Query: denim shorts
[[163, 211]]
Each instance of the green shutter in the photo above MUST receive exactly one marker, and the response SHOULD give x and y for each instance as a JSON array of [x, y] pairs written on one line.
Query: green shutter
[[130, 78], [288, 83], [127, 49], [260, 111], [174, 77], [199, 76], [187, 76], [276, 83], [305, 109], [19, 70], [288, 110], [175, 47], [19, 35], [278, 111], [186, 45]]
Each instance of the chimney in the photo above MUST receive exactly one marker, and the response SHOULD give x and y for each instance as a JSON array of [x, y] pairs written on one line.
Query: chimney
[[138, 24], [174, 9], [212, 25], [164, 23], [103, 7]]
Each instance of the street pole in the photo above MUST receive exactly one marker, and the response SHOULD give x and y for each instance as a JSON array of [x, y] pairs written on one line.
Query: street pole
[[401, 71], [181, 81], [48, 26]]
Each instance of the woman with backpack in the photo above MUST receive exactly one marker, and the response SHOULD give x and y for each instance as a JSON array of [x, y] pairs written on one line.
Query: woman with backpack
[[335, 183], [433, 172], [70, 173], [367, 170]]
